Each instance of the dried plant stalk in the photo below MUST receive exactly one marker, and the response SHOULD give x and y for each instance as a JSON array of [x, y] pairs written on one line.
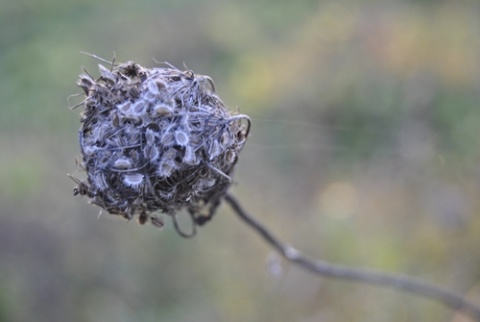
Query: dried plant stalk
[[156, 140], [402, 282]]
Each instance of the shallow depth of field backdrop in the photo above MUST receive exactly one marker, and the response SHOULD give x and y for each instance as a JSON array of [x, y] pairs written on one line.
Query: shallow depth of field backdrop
[[364, 150]]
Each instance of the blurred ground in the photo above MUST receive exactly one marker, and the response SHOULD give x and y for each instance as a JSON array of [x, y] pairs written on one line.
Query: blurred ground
[[364, 151]]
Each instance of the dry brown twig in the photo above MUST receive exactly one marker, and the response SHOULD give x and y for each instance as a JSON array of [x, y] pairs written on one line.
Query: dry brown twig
[[160, 140], [396, 281]]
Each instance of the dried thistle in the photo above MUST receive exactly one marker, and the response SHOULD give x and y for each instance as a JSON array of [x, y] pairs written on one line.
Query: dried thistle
[[156, 140]]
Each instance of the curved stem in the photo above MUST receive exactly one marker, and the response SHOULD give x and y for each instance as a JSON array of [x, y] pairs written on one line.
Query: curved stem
[[180, 231], [395, 281]]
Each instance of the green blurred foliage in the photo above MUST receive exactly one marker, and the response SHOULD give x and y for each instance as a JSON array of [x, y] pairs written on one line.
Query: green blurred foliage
[[364, 151]]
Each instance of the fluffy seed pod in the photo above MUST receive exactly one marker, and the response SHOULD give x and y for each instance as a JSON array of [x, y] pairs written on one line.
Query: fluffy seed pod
[[122, 163], [181, 137], [156, 140]]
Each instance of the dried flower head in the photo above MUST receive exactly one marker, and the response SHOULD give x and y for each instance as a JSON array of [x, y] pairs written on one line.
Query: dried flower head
[[156, 140]]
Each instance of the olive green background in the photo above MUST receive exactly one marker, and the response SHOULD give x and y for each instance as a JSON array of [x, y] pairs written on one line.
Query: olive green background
[[364, 151]]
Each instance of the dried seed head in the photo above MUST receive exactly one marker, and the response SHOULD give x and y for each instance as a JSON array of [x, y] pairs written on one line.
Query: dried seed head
[[189, 156], [138, 107], [156, 140], [230, 156], [150, 136], [165, 169], [124, 106], [100, 182], [157, 87], [181, 137], [122, 163], [205, 184], [86, 83], [151, 153], [134, 180], [161, 109]]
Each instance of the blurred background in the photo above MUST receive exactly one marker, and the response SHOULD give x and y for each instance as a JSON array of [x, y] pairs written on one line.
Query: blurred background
[[364, 151]]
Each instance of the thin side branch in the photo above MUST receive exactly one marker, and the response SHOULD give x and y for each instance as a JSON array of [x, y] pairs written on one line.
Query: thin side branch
[[396, 281]]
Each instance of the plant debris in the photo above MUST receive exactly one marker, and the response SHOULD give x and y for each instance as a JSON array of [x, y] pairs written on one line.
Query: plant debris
[[156, 140]]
